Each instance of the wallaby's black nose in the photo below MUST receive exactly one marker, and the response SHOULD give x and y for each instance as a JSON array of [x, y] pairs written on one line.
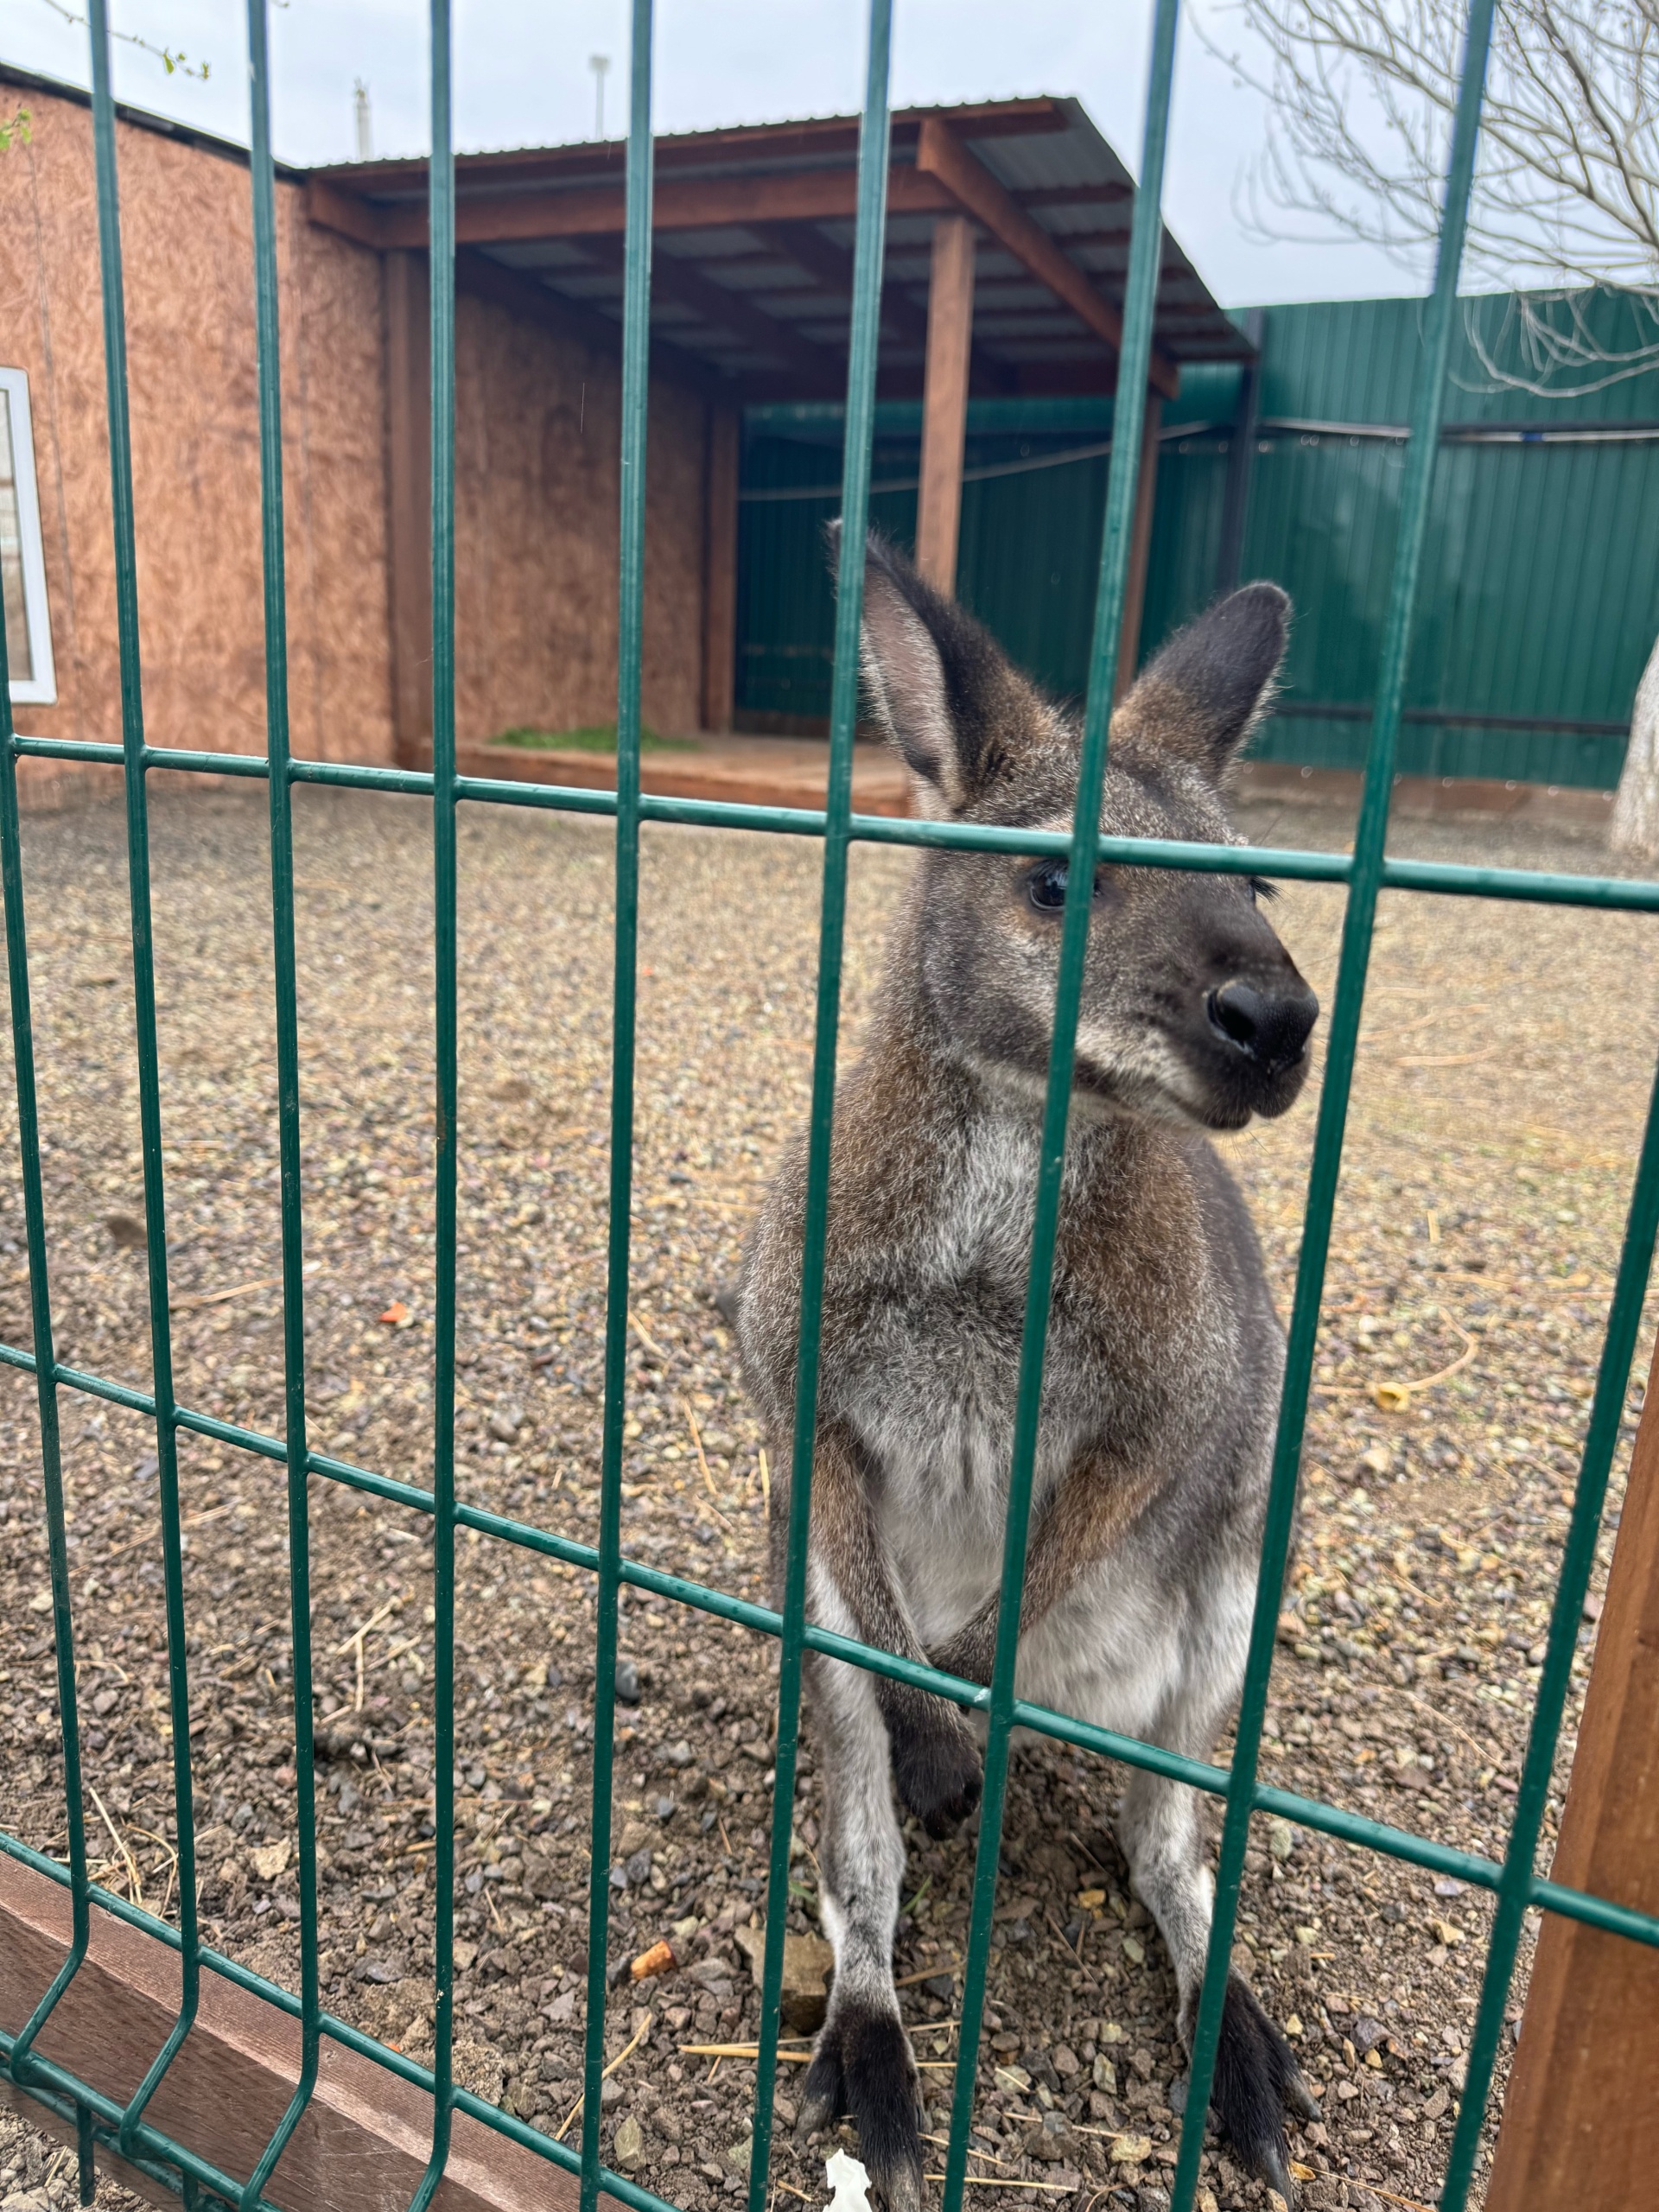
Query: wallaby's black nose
[[1271, 1029]]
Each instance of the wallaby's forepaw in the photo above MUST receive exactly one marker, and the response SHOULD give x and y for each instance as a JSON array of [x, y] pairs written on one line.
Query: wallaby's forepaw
[[970, 1652], [862, 2066], [936, 1762], [1257, 2077]]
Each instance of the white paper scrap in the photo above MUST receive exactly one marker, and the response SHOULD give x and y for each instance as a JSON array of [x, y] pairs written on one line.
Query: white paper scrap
[[849, 2182]]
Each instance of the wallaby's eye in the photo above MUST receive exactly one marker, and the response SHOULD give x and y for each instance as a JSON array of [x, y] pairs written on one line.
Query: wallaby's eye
[[1045, 885], [1261, 889]]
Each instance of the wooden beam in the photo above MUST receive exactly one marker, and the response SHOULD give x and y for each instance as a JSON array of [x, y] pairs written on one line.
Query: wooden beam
[[565, 318], [723, 457], [1134, 595], [409, 499], [361, 2144], [684, 284], [942, 155], [348, 212], [944, 400], [1241, 459], [831, 265], [501, 218], [1581, 2124], [812, 138]]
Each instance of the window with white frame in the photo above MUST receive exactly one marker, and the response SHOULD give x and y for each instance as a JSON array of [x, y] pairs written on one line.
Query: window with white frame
[[22, 565]]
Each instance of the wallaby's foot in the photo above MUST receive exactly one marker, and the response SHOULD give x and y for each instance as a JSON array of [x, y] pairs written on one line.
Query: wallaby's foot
[[862, 2066], [936, 1762], [1257, 2077]]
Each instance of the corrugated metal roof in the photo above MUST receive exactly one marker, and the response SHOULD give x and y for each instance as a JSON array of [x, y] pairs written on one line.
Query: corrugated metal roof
[[786, 273]]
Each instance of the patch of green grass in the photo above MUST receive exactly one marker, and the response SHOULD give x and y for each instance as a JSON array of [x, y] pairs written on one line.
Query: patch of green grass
[[602, 739]]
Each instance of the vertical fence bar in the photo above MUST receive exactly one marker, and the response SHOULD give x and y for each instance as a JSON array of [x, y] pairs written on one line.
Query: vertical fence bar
[[870, 247], [629, 635], [1370, 841], [1135, 360], [269, 348], [149, 1099], [45, 1377], [1578, 1556], [441, 217]]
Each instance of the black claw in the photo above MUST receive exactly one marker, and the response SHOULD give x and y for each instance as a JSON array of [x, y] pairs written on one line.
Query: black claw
[[1276, 2174], [862, 2066], [1256, 2077], [824, 2098]]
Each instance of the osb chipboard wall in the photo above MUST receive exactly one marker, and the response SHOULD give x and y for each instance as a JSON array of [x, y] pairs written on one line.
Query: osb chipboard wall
[[537, 460], [538, 425], [187, 254]]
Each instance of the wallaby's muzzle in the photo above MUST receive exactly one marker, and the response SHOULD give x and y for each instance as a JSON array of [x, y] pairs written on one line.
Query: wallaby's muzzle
[[1270, 1029]]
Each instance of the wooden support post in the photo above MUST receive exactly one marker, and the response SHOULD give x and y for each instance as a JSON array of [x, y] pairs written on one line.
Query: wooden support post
[[1580, 2125], [721, 460], [408, 501], [944, 400], [1134, 595], [1241, 459], [362, 2143]]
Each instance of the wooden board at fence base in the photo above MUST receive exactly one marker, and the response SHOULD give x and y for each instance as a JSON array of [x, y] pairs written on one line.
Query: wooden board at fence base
[[362, 2144], [1580, 2127]]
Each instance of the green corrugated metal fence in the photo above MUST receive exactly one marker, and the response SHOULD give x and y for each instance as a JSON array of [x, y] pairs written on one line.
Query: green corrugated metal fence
[[100, 2119], [1539, 599]]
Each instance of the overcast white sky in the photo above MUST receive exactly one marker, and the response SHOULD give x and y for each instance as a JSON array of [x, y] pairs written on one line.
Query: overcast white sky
[[522, 79]]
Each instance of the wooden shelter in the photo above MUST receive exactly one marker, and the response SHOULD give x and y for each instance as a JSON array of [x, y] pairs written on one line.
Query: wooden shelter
[[1006, 247]]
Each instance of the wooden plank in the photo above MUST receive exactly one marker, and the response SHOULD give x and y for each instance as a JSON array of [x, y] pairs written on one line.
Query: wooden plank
[[722, 456], [1581, 2124], [747, 770], [941, 155], [408, 499], [831, 266], [333, 209], [722, 306], [565, 318], [944, 400], [1134, 595], [498, 218], [814, 138], [362, 2143]]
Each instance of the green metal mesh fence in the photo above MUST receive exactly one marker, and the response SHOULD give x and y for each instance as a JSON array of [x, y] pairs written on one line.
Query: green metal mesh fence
[[1514, 1882]]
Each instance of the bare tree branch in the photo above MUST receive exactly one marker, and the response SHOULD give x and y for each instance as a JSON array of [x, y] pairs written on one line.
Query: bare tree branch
[[1361, 94]]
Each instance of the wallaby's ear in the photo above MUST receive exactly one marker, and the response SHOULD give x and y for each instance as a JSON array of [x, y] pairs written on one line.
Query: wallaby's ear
[[935, 684], [1209, 686]]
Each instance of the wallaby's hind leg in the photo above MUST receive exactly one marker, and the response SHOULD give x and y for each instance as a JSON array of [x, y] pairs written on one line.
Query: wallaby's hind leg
[[1256, 2075], [862, 2063]]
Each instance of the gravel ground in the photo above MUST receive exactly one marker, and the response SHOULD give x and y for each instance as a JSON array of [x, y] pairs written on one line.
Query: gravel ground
[[1502, 1081]]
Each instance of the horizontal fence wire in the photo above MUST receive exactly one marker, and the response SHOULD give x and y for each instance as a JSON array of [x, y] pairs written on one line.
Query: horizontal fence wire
[[1445, 879], [1365, 875]]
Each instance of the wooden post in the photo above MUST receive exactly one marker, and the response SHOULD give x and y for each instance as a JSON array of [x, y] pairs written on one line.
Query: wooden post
[[721, 459], [1241, 459], [362, 2143], [408, 501], [1134, 595], [944, 400], [1581, 2124]]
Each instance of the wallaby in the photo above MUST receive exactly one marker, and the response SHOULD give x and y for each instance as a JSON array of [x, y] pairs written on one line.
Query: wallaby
[[1165, 1354]]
